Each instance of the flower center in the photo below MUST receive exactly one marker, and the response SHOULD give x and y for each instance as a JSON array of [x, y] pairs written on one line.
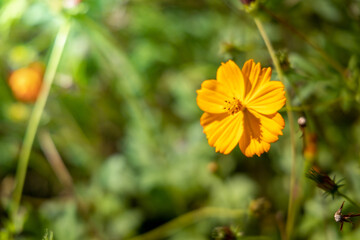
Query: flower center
[[234, 106]]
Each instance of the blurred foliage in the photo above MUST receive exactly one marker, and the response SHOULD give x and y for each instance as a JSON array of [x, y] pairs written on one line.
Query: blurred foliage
[[123, 116]]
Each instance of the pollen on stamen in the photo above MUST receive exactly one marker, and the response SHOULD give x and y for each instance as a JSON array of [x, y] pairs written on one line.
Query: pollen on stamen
[[234, 106]]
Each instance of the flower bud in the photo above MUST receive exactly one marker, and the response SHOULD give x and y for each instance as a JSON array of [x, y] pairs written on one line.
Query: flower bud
[[302, 122], [323, 181]]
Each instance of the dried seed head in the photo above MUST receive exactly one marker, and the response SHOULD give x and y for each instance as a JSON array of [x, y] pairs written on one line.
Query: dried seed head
[[323, 181], [337, 215], [341, 218]]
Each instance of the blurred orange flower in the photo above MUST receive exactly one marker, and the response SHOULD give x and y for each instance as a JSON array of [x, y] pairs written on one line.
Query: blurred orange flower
[[241, 108], [25, 83]]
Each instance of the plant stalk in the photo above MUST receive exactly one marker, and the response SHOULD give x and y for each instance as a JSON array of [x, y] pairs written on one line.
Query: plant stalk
[[291, 206], [349, 199], [36, 114], [337, 66]]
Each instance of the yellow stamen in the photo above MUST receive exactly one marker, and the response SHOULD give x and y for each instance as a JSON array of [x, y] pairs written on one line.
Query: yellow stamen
[[233, 106]]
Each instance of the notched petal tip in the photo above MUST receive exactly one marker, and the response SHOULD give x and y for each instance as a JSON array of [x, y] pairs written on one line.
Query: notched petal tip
[[222, 151], [250, 61]]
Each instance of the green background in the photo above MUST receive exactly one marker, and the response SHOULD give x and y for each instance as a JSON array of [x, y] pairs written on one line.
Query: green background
[[122, 114]]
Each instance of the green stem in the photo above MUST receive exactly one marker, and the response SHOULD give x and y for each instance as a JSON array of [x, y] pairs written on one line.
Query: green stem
[[187, 219], [291, 205], [337, 66], [349, 199], [36, 114]]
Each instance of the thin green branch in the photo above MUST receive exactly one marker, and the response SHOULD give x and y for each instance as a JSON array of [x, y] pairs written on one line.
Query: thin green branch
[[291, 206], [36, 114], [349, 199], [187, 219], [55, 161], [337, 66]]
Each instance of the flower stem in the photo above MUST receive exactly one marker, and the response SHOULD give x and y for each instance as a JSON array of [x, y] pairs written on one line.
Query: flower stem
[[36, 115], [337, 66], [349, 199], [291, 205], [188, 218]]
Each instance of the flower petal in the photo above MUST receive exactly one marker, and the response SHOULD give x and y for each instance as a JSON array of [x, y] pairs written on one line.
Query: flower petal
[[271, 126], [250, 147], [268, 99], [222, 130], [254, 76], [211, 97], [230, 75], [247, 70], [211, 121], [265, 76], [231, 136], [258, 79], [252, 141]]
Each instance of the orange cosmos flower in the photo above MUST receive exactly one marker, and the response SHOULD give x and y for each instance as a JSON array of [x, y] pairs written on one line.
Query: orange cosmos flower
[[241, 108], [26, 83]]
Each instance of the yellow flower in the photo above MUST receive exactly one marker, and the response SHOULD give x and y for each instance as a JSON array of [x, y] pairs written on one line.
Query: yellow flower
[[241, 108]]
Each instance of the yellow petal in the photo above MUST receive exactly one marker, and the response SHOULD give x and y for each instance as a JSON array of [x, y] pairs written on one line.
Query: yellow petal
[[246, 70], [211, 97], [231, 136], [265, 76], [211, 121], [258, 78], [268, 99], [254, 77], [251, 147], [271, 126], [230, 75], [223, 132], [249, 65], [251, 141]]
